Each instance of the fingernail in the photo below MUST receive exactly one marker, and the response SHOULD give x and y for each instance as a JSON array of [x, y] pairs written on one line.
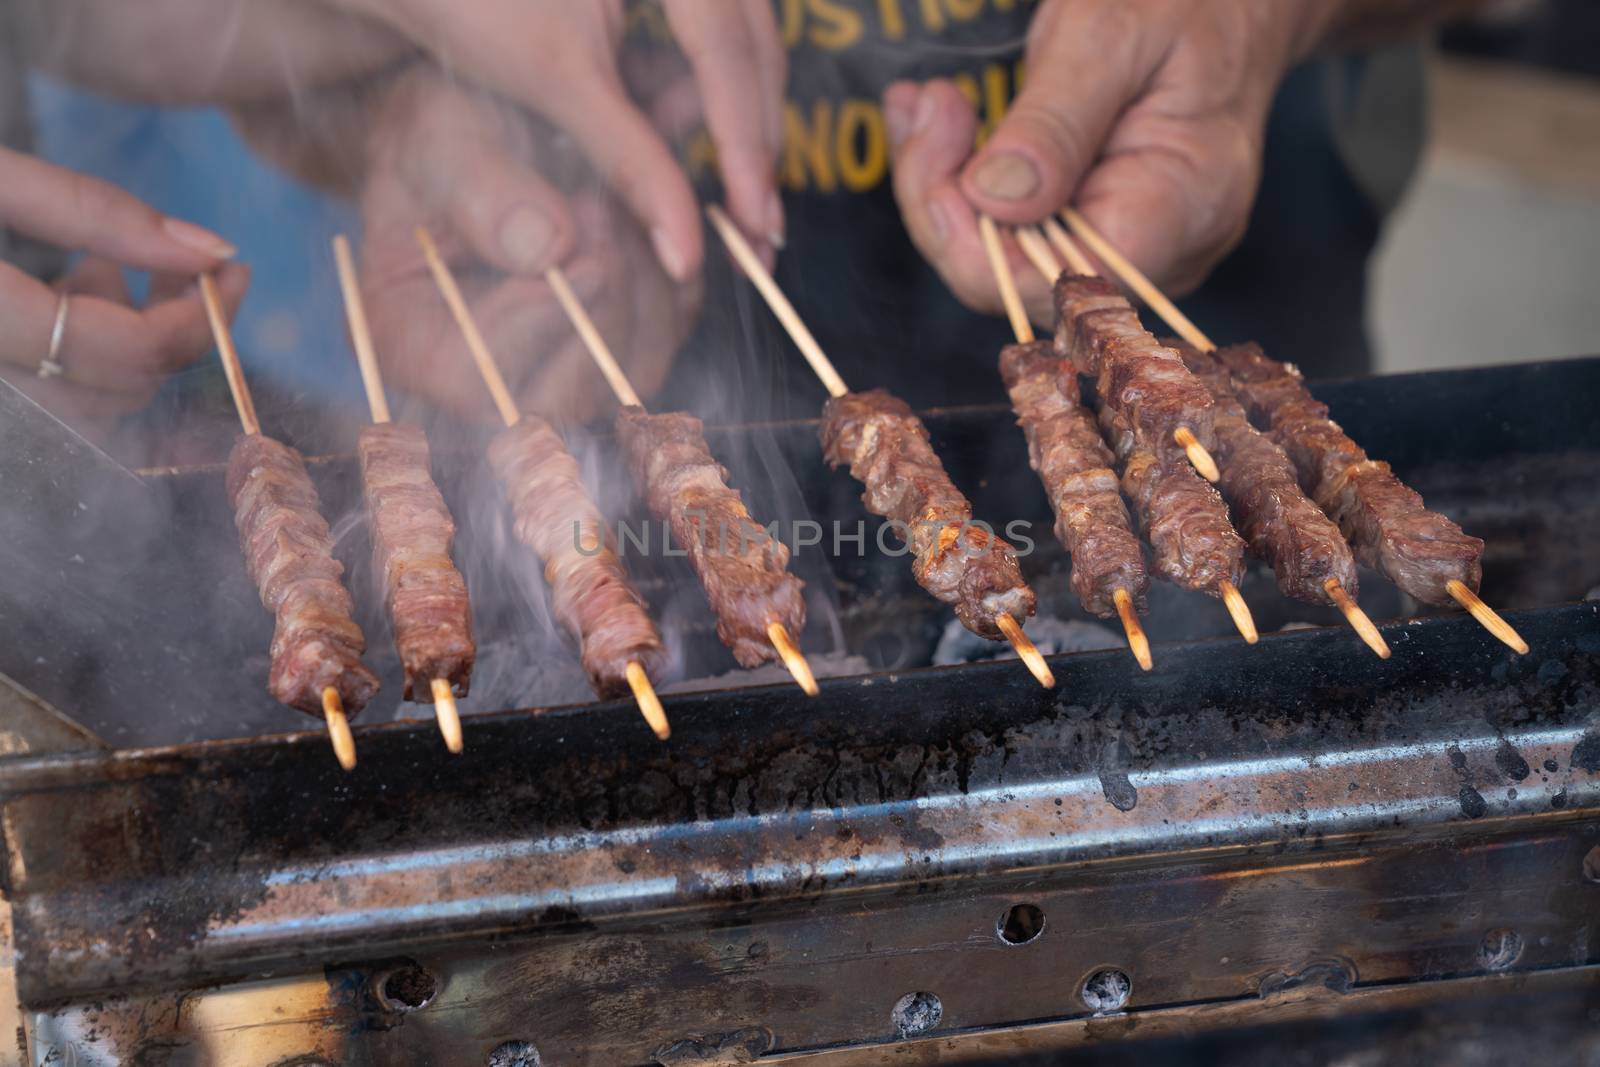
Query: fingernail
[[198, 238], [923, 118], [668, 254], [775, 219], [1007, 176], [525, 237], [939, 221]]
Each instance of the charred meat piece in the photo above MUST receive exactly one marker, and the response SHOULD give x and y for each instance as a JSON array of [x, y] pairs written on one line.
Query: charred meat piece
[[1192, 542], [288, 553], [1282, 526], [1073, 462], [743, 569], [554, 516], [411, 536], [960, 563], [1384, 520], [1142, 380]]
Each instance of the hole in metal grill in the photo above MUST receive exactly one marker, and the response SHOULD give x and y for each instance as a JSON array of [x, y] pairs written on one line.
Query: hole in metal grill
[[1106, 991], [407, 988], [1020, 924], [916, 1013], [1500, 949], [515, 1054]]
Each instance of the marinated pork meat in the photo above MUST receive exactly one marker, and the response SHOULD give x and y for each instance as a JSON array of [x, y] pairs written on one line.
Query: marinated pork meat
[[411, 536], [1383, 519], [743, 569], [1283, 527], [1139, 378], [554, 516], [886, 447], [288, 553], [1073, 462]]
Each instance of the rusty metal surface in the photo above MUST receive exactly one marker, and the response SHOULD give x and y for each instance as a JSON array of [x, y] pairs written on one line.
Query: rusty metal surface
[[1247, 835], [804, 871]]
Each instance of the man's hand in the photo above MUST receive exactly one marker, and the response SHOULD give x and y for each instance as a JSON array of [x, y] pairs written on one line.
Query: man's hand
[[560, 59], [114, 353], [473, 171], [1149, 115]]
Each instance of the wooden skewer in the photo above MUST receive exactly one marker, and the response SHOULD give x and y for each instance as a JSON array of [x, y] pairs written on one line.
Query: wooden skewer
[[344, 743], [1136, 280], [445, 711], [1015, 311], [1027, 651], [1198, 456], [1068, 248], [1239, 610], [451, 292], [355, 313], [230, 355], [792, 658], [1358, 619], [596, 344], [449, 716], [751, 264], [1037, 249], [1137, 641], [1197, 453], [1487, 616], [644, 693]]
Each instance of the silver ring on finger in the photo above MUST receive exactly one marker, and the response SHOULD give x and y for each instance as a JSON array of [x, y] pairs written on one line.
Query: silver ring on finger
[[50, 366]]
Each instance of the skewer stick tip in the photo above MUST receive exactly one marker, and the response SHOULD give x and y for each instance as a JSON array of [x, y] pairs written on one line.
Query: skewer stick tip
[[649, 703], [1358, 618], [1138, 643], [1487, 616], [1027, 651], [792, 658], [1239, 610], [449, 716], [1197, 453], [344, 742]]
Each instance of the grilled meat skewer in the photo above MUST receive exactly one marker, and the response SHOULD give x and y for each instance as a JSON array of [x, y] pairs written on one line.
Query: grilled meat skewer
[[1144, 382], [1301, 544], [411, 536], [1384, 520], [1192, 541], [288, 552], [886, 447], [589, 589], [1073, 462], [744, 570]]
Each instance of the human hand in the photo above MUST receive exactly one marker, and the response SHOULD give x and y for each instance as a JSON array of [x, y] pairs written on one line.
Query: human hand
[[560, 59], [474, 172], [114, 354], [1149, 115]]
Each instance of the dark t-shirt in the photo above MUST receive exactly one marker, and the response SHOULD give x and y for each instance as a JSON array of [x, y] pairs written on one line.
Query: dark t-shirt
[[1297, 283]]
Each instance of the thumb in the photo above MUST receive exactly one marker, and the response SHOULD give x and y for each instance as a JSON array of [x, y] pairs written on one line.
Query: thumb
[[1084, 66]]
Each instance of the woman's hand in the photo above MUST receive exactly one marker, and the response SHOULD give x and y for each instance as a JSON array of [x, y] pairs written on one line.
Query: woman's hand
[[113, 353], [504, 202]]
